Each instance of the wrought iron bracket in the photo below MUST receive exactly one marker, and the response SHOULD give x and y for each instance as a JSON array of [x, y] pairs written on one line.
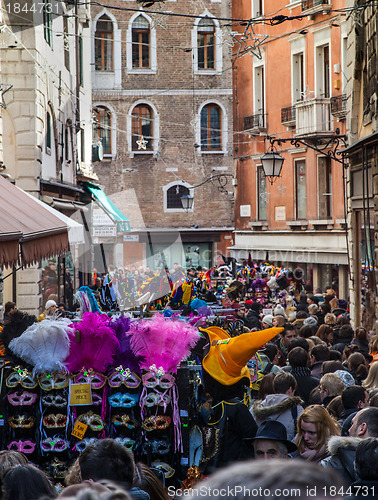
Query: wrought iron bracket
[[323, 144], [220, 181]]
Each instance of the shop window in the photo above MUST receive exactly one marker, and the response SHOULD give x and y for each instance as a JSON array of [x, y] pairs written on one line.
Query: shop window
[[104, 44]]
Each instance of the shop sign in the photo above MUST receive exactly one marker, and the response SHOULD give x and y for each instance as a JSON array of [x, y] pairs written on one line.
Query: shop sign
[[80, 395], [131, 237], [108, 231], [100, 218]]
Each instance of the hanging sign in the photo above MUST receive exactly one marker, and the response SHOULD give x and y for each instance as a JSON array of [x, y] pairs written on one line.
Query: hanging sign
[[80, 395]]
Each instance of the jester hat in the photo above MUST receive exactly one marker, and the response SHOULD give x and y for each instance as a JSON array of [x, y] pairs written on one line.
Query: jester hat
[[227, 357]]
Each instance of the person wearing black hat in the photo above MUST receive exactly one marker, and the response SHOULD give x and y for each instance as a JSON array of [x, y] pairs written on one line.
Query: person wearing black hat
[[252, 320], [271, 441]]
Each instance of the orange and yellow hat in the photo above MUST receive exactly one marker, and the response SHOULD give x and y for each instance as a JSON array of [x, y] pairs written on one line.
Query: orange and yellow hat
[[227, 357]]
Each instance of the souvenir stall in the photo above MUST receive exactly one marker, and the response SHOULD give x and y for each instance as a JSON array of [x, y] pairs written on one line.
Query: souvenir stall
[[66, 385]]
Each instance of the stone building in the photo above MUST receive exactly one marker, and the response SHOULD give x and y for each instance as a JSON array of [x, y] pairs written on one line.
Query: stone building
[[162, 108], [47, 129], [290, 82], [362, 157]]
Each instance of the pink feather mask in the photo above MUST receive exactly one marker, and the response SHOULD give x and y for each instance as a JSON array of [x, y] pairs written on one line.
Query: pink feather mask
[[162, 342], [92, 344]]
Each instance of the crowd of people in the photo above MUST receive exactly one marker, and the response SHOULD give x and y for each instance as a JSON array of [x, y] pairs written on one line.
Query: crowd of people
[[289, 399]]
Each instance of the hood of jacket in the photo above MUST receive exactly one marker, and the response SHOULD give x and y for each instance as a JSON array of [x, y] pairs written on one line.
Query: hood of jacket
[[338, 444], [273, 404]]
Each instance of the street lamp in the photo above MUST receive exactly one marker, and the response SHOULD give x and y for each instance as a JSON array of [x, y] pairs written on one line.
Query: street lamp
[[272, 164], [187, 202], [220, 181]]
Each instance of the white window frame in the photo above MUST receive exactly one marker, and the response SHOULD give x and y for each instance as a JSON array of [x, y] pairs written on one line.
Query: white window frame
[[218, 47], [321, 39], [129, 47], [257, 65], [256, 8], [224, 131], [113, 128], [165, 190], [117, 48], [155, 128], [296, 96]]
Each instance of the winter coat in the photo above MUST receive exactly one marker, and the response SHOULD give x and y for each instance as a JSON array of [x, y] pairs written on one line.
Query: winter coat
[[235, 423], [363, 489], [278, 407], [252, 320], [305, 383], [363, 347], [343, 452], [316, 369]]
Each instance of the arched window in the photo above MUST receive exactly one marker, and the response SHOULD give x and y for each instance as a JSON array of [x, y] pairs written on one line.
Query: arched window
[[48, 133], [211, 133], [206, 44], [103, 124], [142, 126], [141, 43], [104, 44], [174, 194]]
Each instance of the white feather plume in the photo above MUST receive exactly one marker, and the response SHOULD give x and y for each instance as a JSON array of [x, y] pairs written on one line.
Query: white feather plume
[[44, 345]]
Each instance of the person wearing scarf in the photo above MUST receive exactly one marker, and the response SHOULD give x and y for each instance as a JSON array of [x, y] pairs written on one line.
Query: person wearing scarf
[[314, 428]]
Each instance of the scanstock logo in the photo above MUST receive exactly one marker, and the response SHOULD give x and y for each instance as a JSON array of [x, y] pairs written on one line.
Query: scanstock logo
[[23, 14]]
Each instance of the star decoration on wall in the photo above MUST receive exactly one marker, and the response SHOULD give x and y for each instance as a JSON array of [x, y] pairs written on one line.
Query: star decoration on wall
[[4, 87], [307, 94], [249, 42], [142, 143], [281, 188], [225, 38], [265, 197], [160, 19]]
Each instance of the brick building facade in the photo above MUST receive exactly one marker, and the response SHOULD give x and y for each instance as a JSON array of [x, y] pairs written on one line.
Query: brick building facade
[[292, 85], [162, 101]]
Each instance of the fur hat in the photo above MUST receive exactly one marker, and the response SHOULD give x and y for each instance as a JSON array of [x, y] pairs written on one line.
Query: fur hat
[[268, 320], [49, 304], [16, 325], [227, 357]]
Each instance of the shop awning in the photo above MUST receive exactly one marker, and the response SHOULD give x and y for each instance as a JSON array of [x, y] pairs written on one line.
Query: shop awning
[[123, 224], [23, 221], [75, 229]]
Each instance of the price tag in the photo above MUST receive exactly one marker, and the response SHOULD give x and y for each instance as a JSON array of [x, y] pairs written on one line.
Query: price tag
[[80, 395], [79, 430]]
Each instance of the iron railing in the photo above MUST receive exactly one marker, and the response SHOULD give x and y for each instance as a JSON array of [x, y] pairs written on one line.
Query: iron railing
[[288, 115], [309, 4], [255, 122], [338, 104]]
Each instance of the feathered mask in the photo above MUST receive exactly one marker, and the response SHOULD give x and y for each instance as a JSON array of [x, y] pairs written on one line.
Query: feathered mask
[[44, 345], [124, 356], [17, 324], [92, 344], [162, 342]]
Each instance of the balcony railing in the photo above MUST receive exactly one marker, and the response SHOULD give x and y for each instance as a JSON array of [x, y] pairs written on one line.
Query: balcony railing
[[338, 105], [288, 116], [315, 5], [255, 123], [314, 117]]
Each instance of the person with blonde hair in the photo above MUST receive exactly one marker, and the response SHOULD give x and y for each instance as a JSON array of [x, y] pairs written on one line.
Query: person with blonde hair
[[315, 427], [371, 381], [330, 386]]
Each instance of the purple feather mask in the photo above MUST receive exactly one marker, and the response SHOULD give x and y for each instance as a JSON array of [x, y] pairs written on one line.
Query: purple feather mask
[[163, 342], [92, 344]]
